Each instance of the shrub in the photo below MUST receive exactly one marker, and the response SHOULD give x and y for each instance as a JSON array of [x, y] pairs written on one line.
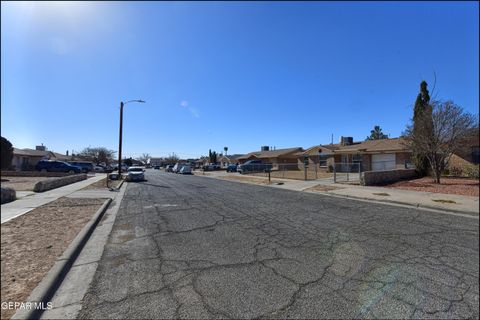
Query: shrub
[[471, 171]]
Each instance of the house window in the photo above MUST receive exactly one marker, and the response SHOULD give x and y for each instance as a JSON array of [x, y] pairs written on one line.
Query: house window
[[476, 155], [322, 160], [357, 158]]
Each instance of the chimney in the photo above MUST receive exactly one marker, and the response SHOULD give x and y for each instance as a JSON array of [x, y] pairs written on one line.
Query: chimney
[[264, 148], [346, 141], [41, 148]]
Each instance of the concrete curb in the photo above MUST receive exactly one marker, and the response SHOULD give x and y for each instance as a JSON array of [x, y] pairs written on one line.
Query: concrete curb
[[45, 290]]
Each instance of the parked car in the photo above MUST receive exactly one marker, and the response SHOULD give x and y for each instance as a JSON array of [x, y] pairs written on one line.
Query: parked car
[[136, 174], [86, 166], [169, 168], [56, 166], [176, 168], [254, 166], [232, 168], [99, 169], [156, 167], [186, 169], [124, 167]]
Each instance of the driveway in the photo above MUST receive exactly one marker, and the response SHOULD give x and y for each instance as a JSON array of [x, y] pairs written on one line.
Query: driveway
[[195, 247]]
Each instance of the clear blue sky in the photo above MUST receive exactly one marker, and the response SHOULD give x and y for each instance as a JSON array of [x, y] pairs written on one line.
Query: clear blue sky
[[217, 74]]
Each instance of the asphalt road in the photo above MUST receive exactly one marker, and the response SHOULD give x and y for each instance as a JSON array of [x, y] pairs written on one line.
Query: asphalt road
[[196, 247]]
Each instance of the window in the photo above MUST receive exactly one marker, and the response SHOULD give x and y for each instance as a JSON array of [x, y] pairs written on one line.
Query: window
[[322, 160], [476, 155]]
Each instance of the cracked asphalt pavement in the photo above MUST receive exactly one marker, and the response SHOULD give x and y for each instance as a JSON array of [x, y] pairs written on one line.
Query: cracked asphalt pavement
[[196, 247]]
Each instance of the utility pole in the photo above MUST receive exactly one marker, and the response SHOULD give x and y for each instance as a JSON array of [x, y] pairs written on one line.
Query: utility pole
[[120, 143]]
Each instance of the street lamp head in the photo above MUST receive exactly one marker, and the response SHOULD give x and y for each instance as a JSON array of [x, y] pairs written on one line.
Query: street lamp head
[[142, 101]]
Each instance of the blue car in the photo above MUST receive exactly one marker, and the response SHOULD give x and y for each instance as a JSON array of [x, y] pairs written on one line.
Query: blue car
[[232, 168], [56, 166]]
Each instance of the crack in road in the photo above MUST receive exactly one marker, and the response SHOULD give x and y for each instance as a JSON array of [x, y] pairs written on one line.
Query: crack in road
[[221, 249]]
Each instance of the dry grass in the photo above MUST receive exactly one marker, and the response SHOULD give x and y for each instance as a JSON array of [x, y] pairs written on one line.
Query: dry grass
[[31, 243]]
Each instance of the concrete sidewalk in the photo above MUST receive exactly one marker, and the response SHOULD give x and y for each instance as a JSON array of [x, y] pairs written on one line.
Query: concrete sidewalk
[[447, 202], [29, 200]]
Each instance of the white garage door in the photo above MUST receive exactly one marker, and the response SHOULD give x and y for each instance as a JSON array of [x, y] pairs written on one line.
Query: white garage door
[[383, 161]]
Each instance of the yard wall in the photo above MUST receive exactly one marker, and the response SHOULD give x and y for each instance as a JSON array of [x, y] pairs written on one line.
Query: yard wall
[[371, 178], [45, 185], [33, 174]]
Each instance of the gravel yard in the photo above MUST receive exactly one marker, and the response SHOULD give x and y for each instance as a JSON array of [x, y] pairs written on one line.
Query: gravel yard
[[22, 183], [31, 243], [460, 186]]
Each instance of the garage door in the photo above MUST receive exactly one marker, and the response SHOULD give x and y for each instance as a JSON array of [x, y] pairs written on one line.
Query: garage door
[[383, 161]]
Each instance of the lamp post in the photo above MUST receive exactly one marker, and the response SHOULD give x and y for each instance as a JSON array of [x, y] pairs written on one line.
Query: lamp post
[[120, 137]]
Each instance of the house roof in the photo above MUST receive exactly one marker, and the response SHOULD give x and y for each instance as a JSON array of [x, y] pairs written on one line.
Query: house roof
[[230, 158], [31, 152], [270, 153], [326, 149], [374, 146]]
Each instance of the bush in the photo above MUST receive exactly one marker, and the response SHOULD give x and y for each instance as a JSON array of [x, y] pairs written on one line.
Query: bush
[[472, 171]]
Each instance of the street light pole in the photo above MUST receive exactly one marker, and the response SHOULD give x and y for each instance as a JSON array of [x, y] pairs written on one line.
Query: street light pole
[[120, 135], [120, 142]]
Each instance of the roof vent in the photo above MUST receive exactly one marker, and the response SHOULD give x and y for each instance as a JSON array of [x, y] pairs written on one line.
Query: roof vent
[[41, 148]]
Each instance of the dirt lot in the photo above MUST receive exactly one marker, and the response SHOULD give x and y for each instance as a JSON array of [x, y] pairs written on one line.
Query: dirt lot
[[22, 183], [460, 186], [31, 243]]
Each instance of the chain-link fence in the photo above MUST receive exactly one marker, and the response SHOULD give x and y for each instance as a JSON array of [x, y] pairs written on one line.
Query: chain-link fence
[[299, 171], [347, 172]]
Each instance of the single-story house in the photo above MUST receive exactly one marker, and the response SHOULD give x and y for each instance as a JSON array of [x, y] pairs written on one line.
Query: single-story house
[[371, 155], [225, 160], [376, 155], [26, 159], [279, 158], [468, 154]]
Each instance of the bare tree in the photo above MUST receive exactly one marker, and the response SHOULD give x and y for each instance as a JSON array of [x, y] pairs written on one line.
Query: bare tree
[[438, 135], [98, 155], [172, 158], [144, 158]]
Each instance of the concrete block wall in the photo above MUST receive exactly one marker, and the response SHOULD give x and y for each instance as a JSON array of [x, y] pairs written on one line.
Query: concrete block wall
[[45, 185], [372, 178]]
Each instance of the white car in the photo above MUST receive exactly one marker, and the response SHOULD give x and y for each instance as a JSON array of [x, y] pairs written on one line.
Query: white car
[[136, 174], [186, 169]]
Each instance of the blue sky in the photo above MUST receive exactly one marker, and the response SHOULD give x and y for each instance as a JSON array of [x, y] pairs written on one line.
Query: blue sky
[[215, 74]]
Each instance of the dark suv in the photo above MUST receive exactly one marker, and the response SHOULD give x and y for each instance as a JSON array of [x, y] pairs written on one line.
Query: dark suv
[[84, 165], [254, 166], [56, 166]]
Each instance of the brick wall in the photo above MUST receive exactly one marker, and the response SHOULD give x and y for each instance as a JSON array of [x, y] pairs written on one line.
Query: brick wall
[[371, 178]]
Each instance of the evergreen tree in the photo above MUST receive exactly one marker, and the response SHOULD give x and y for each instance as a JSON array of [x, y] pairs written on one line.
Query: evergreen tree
[[7, 153], [377, 134], [422, 113]]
